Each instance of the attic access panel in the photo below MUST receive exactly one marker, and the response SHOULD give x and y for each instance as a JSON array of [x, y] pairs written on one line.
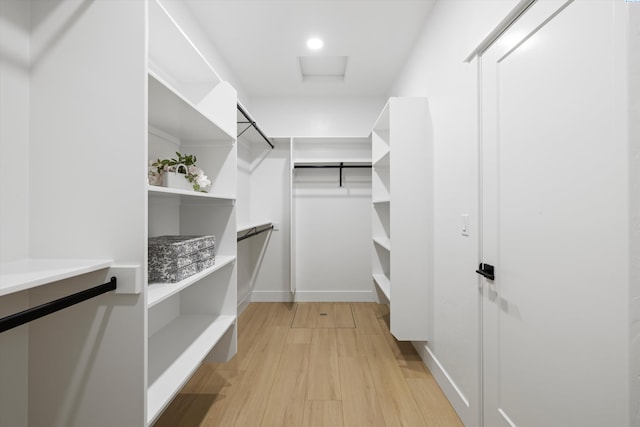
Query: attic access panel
[[323, 67]]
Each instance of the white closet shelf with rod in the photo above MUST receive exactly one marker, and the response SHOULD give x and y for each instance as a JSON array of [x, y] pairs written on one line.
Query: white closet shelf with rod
[[253, 230], [246, 227], [25, 274], [34, 313], [317, 164]]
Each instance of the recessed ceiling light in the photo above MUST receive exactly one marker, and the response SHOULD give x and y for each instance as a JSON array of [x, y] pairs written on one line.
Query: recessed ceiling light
[[315, 43]]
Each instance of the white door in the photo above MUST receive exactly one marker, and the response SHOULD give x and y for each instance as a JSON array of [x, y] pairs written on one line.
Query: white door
[[554, 220]]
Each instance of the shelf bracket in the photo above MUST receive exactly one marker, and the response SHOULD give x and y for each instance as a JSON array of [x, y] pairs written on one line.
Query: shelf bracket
[[253, 124]]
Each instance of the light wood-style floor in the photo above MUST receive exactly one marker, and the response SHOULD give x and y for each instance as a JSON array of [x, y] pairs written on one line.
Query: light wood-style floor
[[313, 364]]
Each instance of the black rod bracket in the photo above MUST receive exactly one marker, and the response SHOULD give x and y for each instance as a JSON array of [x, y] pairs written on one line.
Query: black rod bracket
[[42, 310]]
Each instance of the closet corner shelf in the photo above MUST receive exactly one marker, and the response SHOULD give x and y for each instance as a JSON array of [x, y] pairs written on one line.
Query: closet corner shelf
[[383, 242], [384, 284], [29, 273], [171, 112], [382, 201], [246, 227], [158, 292], [160, 191], [382, 161], [176, 351]]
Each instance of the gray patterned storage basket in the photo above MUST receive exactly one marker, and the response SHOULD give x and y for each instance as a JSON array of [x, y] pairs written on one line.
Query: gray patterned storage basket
[[174, 258]]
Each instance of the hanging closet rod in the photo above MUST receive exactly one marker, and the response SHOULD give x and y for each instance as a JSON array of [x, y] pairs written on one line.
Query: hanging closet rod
[[251, 123], [338, 166], [331, 166], [42, 310], [255, 233]]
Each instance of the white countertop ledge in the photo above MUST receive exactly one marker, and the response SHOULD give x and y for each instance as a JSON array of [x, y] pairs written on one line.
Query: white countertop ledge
[[29, 273]]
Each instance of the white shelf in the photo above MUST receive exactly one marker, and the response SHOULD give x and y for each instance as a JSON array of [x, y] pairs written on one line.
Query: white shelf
[[382, 201], [158, 292], [382, 161], [311, 161], [383, 242], [172, 192], [172, 113], [383, 122], [247, 227], [171, 48], [176, 351], [29, 273], [384, 284]]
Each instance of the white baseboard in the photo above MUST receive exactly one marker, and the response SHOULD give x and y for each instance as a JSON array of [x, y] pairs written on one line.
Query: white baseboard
[[310, 296], [335, 296], [455, 396], [242, 305], [271, 296]]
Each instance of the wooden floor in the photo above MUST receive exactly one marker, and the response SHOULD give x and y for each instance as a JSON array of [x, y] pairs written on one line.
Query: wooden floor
[[313, 364]]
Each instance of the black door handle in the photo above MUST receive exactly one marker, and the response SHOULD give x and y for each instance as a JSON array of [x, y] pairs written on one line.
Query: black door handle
[[487, 271]]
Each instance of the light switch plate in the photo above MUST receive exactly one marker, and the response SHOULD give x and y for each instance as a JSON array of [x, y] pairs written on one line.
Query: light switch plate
[[464, 224]]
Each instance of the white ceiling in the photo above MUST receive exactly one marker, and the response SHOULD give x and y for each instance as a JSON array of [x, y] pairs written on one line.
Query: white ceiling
[[261, 40]]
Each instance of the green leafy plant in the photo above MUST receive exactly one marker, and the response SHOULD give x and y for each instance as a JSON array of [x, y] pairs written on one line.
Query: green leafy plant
[[183, 164]]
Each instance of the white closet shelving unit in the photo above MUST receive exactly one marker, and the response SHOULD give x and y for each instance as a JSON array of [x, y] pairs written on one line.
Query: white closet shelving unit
[[402, 212], [192, 111], [324, 202]]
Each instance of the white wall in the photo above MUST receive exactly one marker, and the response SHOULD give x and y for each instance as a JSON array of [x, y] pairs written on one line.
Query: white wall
[[317, 116], [14, 200], [14, 205], [332, 224], [14, 129], [437, 70], [634, 166], [270, 197], [243, 203], [243, 216], [263, 196]]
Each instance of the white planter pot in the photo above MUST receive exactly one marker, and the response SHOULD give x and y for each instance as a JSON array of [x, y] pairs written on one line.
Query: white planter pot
[[177, 181]]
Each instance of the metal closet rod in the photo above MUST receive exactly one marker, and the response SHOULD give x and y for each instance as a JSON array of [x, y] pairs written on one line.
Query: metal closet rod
[[340, 166], [255, 233], [42, 310], [252, 123]]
